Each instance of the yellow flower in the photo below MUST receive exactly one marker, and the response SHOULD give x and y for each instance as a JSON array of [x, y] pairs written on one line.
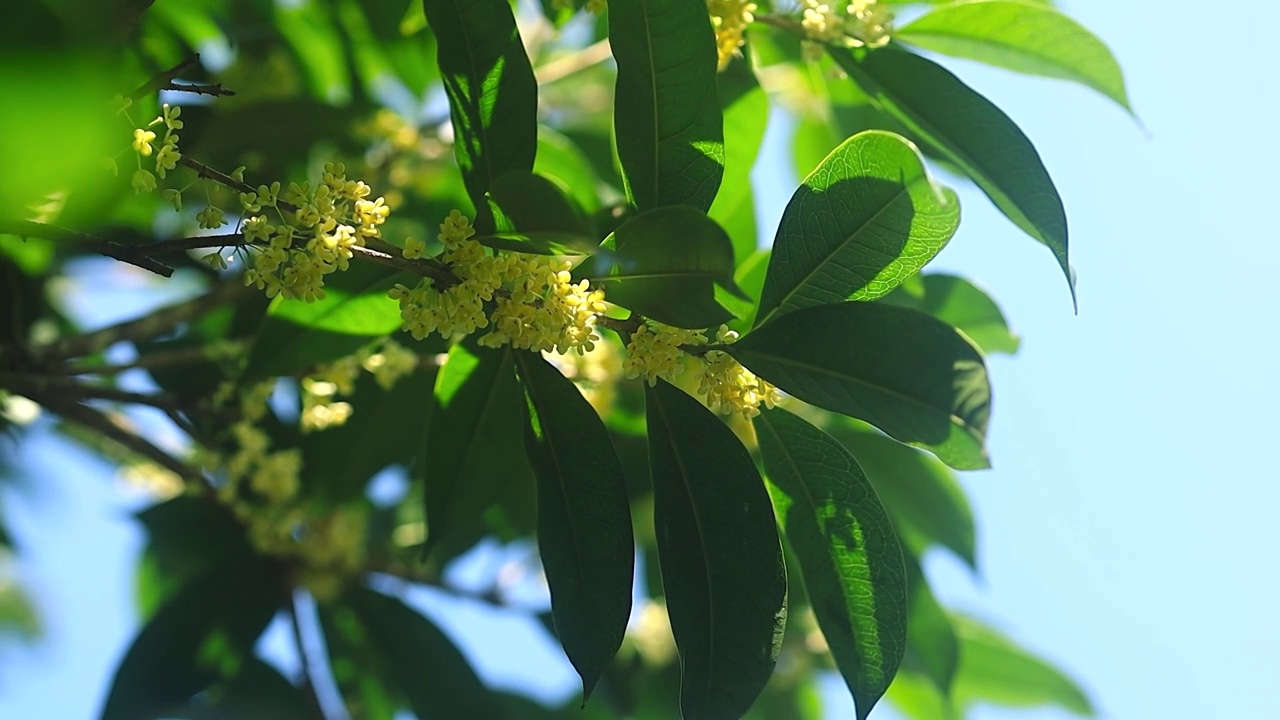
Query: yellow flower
[[142, 140], [170, 113], [211, 218], [730, 19], [168, 156]]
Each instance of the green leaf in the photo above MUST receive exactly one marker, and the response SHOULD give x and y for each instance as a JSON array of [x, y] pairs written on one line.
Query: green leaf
[[299, 335], [932, 646], [1020, 36], [419, 660], [905, 372], [746, 110], [866, 219], [201, 635], [310, 30], [534, 203], [539, 243], [849, 555], [971, 132], [722, 567], [257, 692], [584, 519], [917, 697], [665, 263], [472, 443], [994, 669], [562, 160], [360, 669], [666, 114], [186, 538], [926, 501], [493, 96], [962, 305]]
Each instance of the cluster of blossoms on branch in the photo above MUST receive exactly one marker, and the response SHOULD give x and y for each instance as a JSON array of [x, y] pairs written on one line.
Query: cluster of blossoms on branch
[[860, 23], [729, 19]]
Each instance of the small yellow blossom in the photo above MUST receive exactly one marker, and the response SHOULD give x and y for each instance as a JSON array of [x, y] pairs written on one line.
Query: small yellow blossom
[[596, 7], [143, 181], [142, 140], [211, 217], [860, 23], [174, 196], [730, 19]]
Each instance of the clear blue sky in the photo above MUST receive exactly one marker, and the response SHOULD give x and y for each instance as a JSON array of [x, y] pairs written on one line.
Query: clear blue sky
[[1125, 530]]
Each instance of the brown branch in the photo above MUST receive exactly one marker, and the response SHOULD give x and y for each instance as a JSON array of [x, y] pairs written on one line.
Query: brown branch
[[147, 326], [159, 82], [68, 388], [155, 359], [124, 253], [165, 247], [96, 421], [214, 89]]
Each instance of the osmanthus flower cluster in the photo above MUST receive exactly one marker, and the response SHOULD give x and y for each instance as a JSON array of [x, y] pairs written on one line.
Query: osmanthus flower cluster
[[314, 238], [860, 23], [163, 151], [656, 351], [730, 19]]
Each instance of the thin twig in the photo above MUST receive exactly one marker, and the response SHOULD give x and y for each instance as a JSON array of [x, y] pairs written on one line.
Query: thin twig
[[214, 89], [165, 247], [123, 253], [96, 421], [71, 389], [158, 82], [147, 326], [576, 62]]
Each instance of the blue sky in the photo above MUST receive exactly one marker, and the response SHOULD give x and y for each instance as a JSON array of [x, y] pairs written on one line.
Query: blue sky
[[1125, 530]]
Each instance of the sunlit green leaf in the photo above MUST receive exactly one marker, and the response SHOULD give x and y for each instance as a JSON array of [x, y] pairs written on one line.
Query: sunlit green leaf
[[493, 97], [746, 114], [849, 555], [964, 306], [920, 381], [562, 160], [584, 520], [971, 132], [1023, 36], [866, 219], [666, 113], [722, 567]]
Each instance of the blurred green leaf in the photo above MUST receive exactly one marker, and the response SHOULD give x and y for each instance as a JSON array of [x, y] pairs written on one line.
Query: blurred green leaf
[[203, 634], [932, 646], [665, 264], [584, 520], [994, 669], [309, 27], [848, 551], [560, 159], [258, 692], [722, 567], [493, 97], [746, 111], [358, 665], [1023, 36], [187, 538], [922, 383], [533, 203], [970, 131], [961, 304], [666, 113], [866, 219], [420, 661]]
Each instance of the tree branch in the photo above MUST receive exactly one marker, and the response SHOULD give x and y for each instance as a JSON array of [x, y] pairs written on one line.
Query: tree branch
[[308, 673], [165, 78], [124, 253]]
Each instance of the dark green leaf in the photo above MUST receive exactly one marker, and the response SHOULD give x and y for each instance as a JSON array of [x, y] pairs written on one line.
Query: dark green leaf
[[534, 203], [665, 264], [420, 660], [298, 335], [866, 219], [584, 519], [473, 445], [905, 372], [917, 697], [722, 567], [926, 501], [258, 692], [312, 35], [994, 669], [186, 538], [493, 96], [1021, 36], [666, 114], [962, 305], [360, 669], [201, 635], [971, 132], [539, 243], [849, 555]]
